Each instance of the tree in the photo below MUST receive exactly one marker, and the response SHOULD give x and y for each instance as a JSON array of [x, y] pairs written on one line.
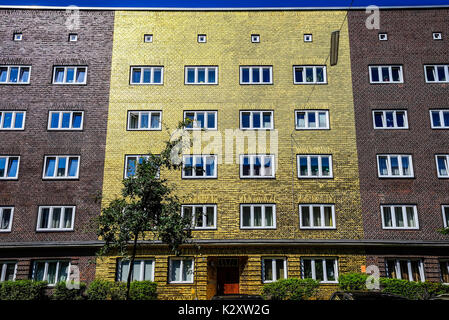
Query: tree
[[147, 209]]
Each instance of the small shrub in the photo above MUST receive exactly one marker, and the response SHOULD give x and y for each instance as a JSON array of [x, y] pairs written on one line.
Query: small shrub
[[118, 291], [405, 288], [352, 281], [290, 289], [99, 290], [23, 290], [61, 292], [143, 290]]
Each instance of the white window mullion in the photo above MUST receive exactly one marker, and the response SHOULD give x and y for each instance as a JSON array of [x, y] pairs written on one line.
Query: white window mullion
[[398, 269], [393, 216], [324, 270], [273, 269], [410, 274], [45, 271], [252, 216], [3, 272], [312, 265]]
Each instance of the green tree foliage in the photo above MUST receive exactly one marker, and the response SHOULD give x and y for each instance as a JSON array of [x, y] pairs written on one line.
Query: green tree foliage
[[290, 289]]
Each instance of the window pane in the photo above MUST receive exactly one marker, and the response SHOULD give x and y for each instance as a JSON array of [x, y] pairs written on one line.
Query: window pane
[[187, 212], [415, 271], [246, 215], [256, 74], [400, 119], [404, 270], [131, 166], [268, 216], [210, 216], [391, 266], [200, 120], [389, 118], [322, 120], [73, 167], [446, 118], [2, 167], [325, 166], [319, 276], [7, 122], [56, 218], [268, 270], [303, 166], [144, 119], [54, 120], [307, 272], [210, 166], [257, 216], [280, 270], [136, 270], [123, 276], [311, 119], [305, 216], [175, 271], [246, 119], [246, 166], [300, 119], [65, 120], [50, 165], [388, 222], [375, 74], [199, 166], [378, 119], [211, 75], [70, 75], [77, 119], [383, 166], [51, 272], [188, 166], [328, 216], [148, 269], [12, 167], [10, 270], [157, 75], [442, 165], [6, 217], [298, 74], [211, 120], [410, 217], [18, 123], [136, 75], [80, 75], [394, 166], [436, 119], [201, 75], [268, 166], [155, 120], [309, 74], [39, 269], [395, 73], [68, 218], [316, 216], [256, 119], [441, 74], [266, 75], [245, 74], [430, 73], [61, 166], [319, 75], [3, 74], [257, 166], [385, 74], [187, 271], [330, 271], [24, 74], [405, 166], [146, 75], [399, 217], [314, 165], [13, 74]]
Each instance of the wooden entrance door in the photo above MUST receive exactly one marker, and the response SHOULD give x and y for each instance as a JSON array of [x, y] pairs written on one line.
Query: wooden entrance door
[[228, 280]]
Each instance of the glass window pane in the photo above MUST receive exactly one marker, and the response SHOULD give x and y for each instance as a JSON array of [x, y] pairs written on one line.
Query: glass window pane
[[61, 166], [54, 120], [73, 167], [63, 271], [131, 166], [188, 166], [391, 266], [400, 119], [307, 269], [39, 269], [136, 75], [430, 73], [200, 120], [147, 75], [80, 75], [45, 214], [13, 74], [266, 119], [328, 221], [51, 272], [56, 218], [396, 73], [50, 166], [280, 269], [211, 75], [319, 74], [246, 119], [299, 74], [385, 74], [77, 120], [269, 216], [12, 167], [155, 120], [65, 120], [268, 270], [257, 216], [59, 75], [322, 120], [2, 167], [399, 217], [316, 216], [10, 270], [383, 166], [305, 214], [70, 75], [442, 165], [446, 118], [388, 222], [211, 120], [319, 275], [18, 122], [175, 270], [148, 269], [303, 171], [199, 166], [312, 119], [187, 271], [210, 213], [24, 74], [144, 119], [136, 270], [405, 165], [268, 166], [257, 166], [157, 75], [314, 166], [394, 166], [245, 75], [266, 75], [441, 73], [246, 168], [7, 122], [389, 118], [309, 74], [378, 119], [256, 74], [374, 74], [325, 166], [410, 217], [68, 212], [201, 75], [5, 214], [123, 276], [210, 166], [246, 216], [404, 270], [300, 119], [436, 119], [3, 74], [330, 270]]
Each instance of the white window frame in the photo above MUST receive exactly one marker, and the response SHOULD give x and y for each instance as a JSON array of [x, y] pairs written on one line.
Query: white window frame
[[437, 36], [138, 156], [64, 82], [308, 37], [444, 261], [263, 206], [65, 176], [206, 112], [148, 38], [73, 37], [270, 67], [142, 269], [383, 36], [390, 73], [50, 217], [441, 115], [321, 206], [314, 67], [4, 266], [306, 118], [404, 217], [251, 124], [251, 164], [445, 213], [389, 168], [13, 120], [206, 75], [150, 114], [384, 120], [203, 208], [5, 177], [204, 156], [255, 38], [435, 66], [59, 128], [202, 38], [142, 68], [273, 268], [314, 260], [447, 165], [8, 74], [309, 166], [18, 36], [10, 218], [182, 259], [57, 270], [409, 268]]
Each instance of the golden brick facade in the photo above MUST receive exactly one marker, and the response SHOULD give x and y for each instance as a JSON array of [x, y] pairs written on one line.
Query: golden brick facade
[[228, 46]]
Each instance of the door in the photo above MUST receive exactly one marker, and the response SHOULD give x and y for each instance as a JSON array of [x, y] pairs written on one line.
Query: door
[[228, 280]]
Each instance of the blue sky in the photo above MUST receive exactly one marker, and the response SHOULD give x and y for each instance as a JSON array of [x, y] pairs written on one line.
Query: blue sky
[[221, 3]]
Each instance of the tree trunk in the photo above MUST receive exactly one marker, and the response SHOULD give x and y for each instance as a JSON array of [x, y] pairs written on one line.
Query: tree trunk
[[131, 265]]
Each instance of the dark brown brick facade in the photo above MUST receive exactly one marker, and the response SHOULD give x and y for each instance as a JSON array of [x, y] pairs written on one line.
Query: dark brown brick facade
[[410, 44], [45, 44]]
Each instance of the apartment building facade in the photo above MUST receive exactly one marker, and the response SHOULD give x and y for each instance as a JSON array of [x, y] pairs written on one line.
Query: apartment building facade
[[54, 89]]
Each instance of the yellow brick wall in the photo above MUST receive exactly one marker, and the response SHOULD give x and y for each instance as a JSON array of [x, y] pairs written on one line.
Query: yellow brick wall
[[228, 46]]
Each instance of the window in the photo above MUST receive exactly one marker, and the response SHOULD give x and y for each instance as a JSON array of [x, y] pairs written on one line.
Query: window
[[324, 270], [255, 38], [148, 38], [201, 75], [411, 270], [131, 162], [442, 165], [6, 214], [309, 74], [257, 166], [312, 119], [258, 216], [143, 270], [65, 120], [147, 75], [444, 267], [15, 74], [61, 167], [9, 167], [12, 120], [256, 120], [181, 270], [144, 120], [317, 216], [73, 37], [439, 119], [55, 218], [202, 38], [51, 271], [8, 271], [69, 75], [274, 269], [197, 120], [437, 36], [256, 75], [18, 37], [314, 166], [383, 36], [437, 73], [386, 74], [307, 38], [395, 166], [445, 209], [199, 166], [390, 119], [399, 217], [203, 216]]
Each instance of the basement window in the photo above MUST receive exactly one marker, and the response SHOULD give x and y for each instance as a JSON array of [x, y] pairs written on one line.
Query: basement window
[[148, 38], [18, 37], [307, 38], [437, 36], [201, 38], [255, 38], [73, 37]]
